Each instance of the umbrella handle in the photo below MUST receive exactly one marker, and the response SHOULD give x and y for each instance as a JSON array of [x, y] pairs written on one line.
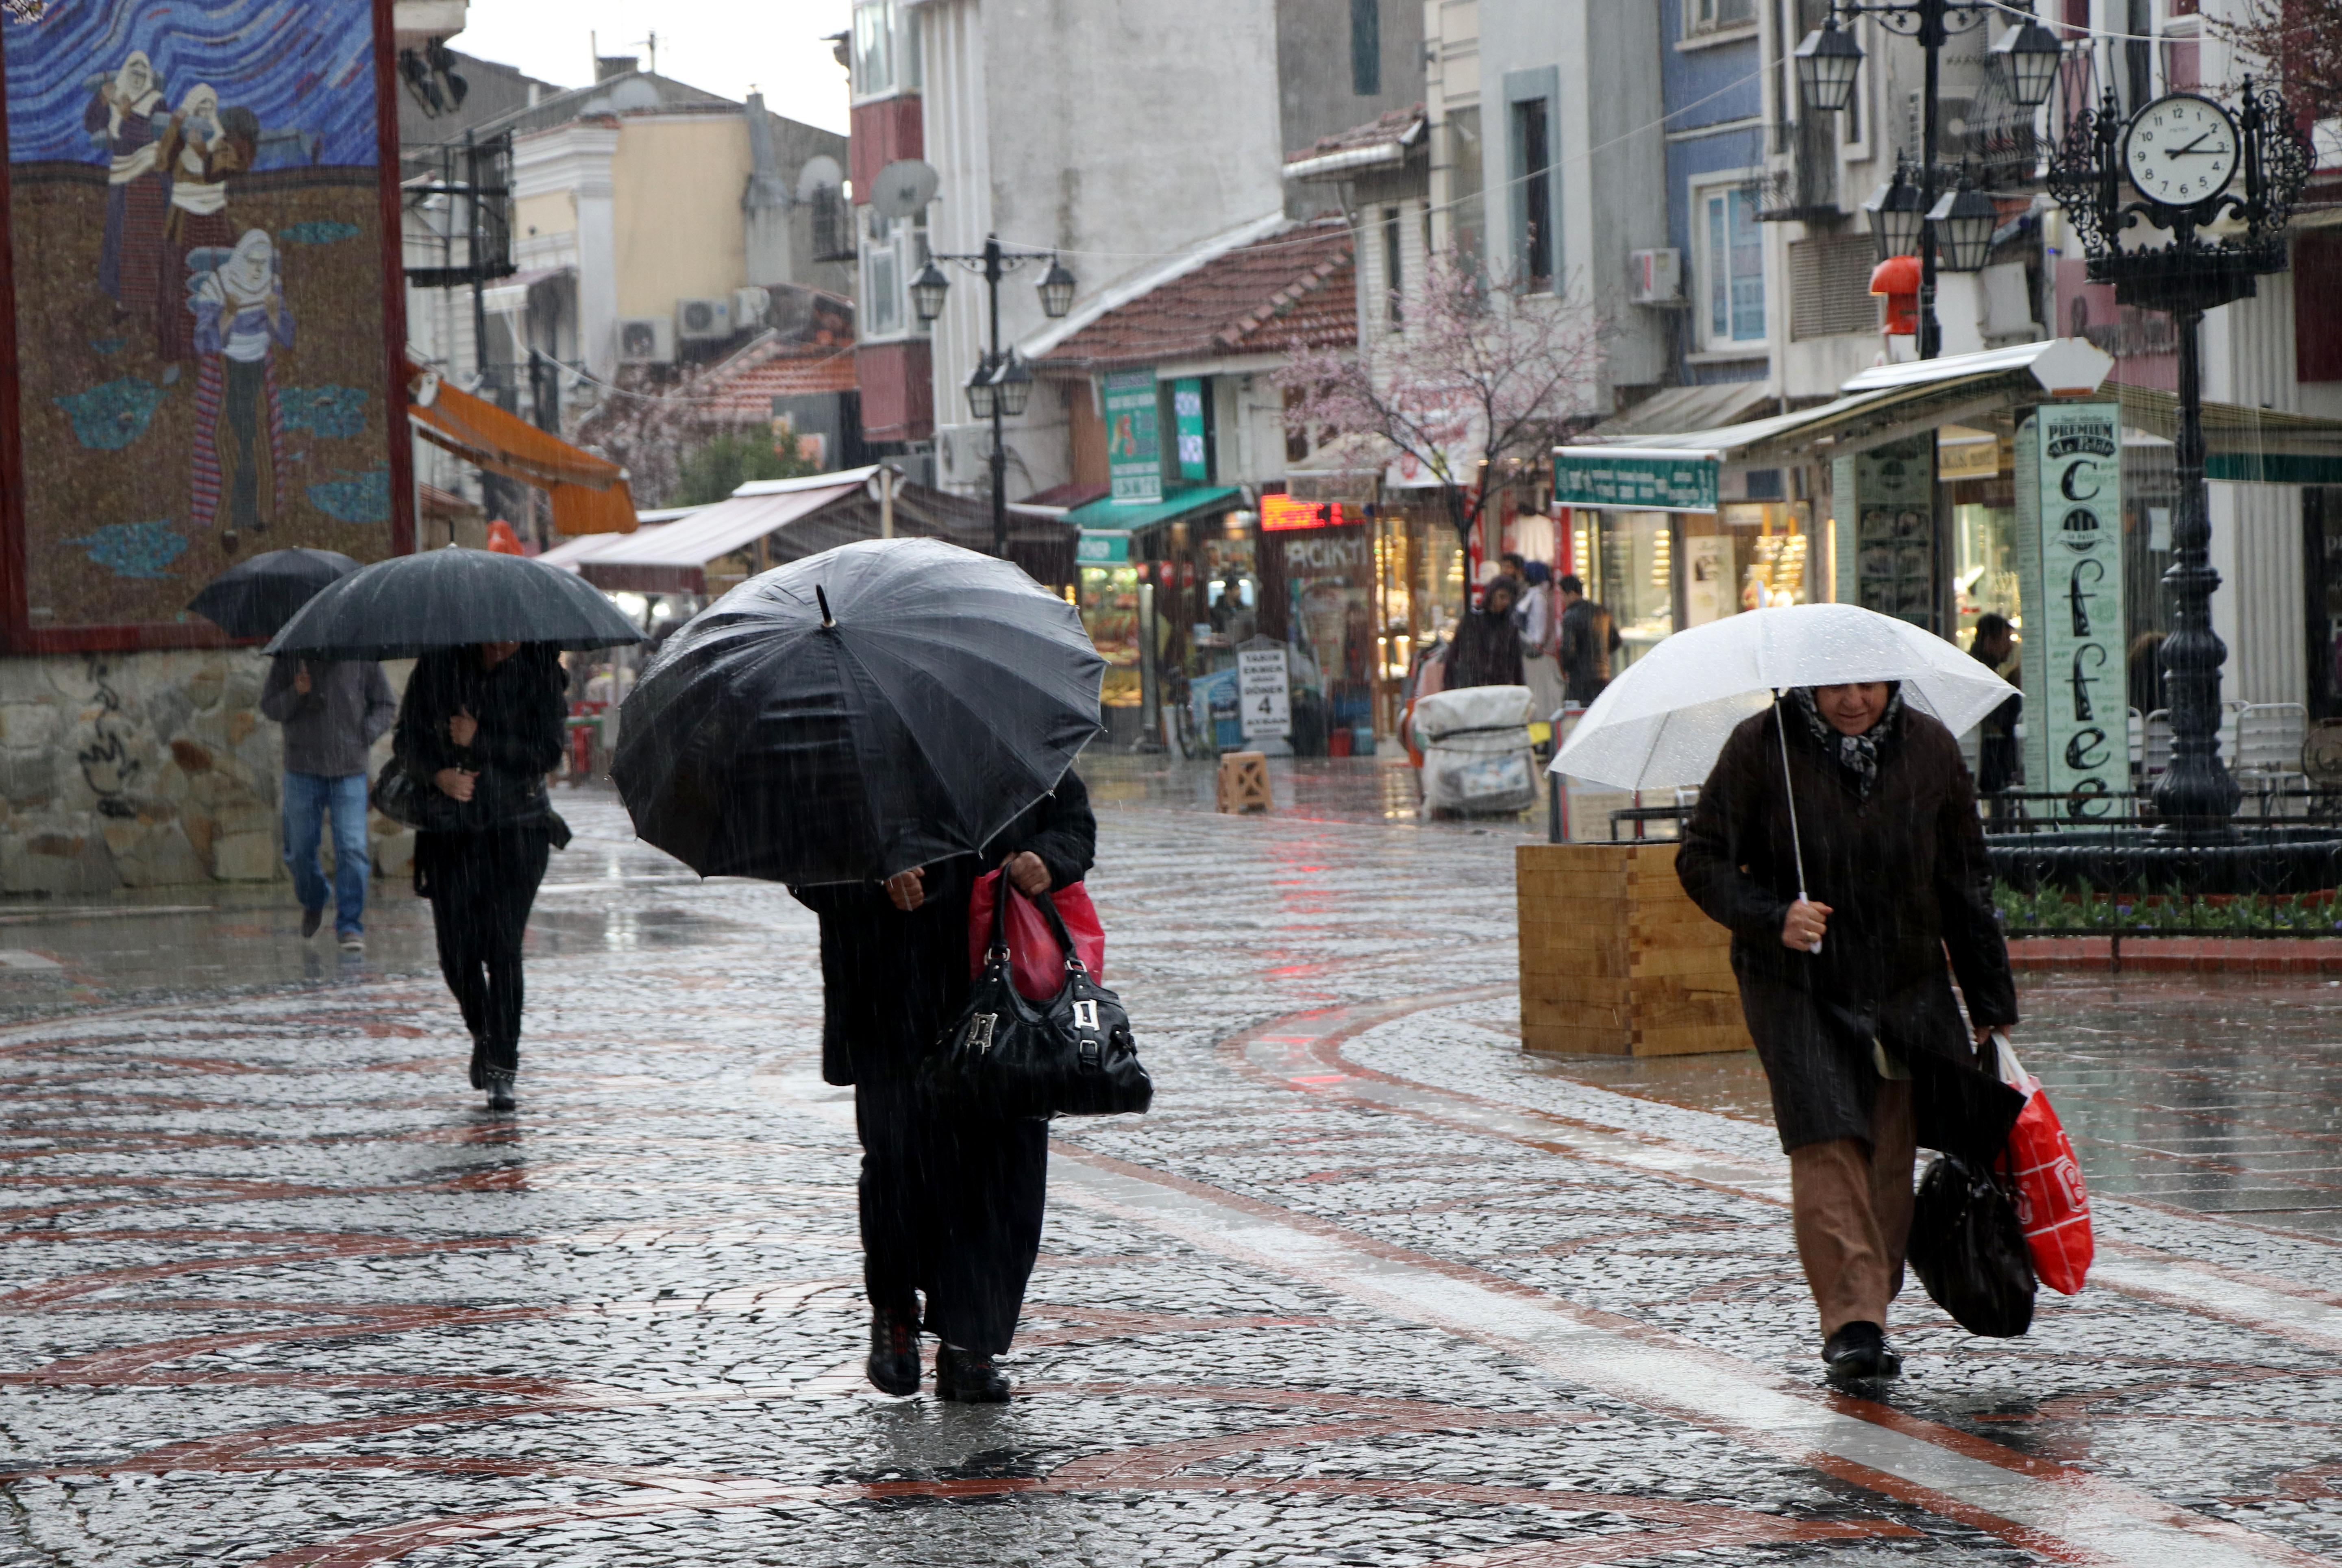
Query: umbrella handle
[[1789, 793], [828, 621]]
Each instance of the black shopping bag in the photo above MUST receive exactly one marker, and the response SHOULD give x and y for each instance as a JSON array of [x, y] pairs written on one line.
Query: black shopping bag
[[1969, 1249]]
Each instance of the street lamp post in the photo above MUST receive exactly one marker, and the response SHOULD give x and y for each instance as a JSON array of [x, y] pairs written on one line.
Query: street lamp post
[[1002, 383], [1828, 64]]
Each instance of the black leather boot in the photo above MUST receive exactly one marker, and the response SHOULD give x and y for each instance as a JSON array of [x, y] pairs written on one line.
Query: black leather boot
[[479, 1063], [1859, 1352], [500, 1090], [969, 1377], [893, 1365]]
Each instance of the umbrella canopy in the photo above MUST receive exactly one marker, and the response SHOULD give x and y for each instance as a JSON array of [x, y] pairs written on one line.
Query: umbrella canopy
[[886, 704], [257, 597], [1665, 720], [409, 605]]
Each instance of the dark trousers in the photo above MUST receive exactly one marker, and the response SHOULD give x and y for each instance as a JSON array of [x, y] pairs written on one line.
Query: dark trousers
[[951, 1207], [481, 886]]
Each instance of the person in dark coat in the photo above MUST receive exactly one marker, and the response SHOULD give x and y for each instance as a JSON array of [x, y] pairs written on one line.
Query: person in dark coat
[[951, 1202], [1586, 643], [1847, 995], [1487, 647], [483, 726]]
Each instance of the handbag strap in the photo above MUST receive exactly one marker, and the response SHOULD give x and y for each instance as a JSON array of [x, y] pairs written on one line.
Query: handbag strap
[[1001, 893], [1003, 890]]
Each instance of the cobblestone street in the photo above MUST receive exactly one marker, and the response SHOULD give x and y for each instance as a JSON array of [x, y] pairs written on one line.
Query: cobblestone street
[[1368, 1286]]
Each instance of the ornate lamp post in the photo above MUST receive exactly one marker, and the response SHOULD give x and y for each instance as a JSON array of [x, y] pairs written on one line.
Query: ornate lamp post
[[2181, 157], [1002, 383], [1827, 63]]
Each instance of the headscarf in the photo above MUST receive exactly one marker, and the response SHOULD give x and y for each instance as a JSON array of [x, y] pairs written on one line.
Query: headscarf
[[1536, 574], [1858, 754], [142, 95]]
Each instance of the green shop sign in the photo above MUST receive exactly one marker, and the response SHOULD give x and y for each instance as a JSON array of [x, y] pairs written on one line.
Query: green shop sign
[[1134, 451], [1636, 479]]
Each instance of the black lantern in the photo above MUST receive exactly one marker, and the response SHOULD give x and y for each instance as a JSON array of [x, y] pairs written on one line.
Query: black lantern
[[1827, 62], [2028, 55], [1056, 291], [980, 389], [1964, 222], [928, 291], [1013, 385], [1895, 215]]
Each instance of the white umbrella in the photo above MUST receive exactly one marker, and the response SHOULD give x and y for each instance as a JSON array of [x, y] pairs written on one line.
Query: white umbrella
[[1665, 719]]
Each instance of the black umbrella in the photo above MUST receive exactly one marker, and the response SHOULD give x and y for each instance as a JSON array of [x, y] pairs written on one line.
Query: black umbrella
[[256, 597], [409, 605], [884, 705]]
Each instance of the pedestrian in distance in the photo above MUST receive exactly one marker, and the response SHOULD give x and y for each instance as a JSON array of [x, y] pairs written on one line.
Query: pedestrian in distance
[[951, 1200], [1540, 620], [332, 712], [482, 725], [1994, 646], [1845, 989], [1584, 644], [1487, 647]]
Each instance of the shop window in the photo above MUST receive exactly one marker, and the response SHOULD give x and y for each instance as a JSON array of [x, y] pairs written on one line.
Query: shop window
[[1366, 47], [2317, 305], [1733, 256], [1633, 576]]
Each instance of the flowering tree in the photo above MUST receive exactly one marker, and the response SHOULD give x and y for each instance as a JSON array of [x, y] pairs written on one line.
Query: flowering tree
[[1478, 383], [2302, 39]]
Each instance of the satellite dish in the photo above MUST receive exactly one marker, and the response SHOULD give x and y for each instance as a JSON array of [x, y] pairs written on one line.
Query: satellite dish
[[905, 187], [820, 172]]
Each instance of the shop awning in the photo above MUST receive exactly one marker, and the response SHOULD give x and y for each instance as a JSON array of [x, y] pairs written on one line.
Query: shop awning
[[673, 558], [1107, 526], [570, 554], [1681, 409], [589, 493], [2250, 444]]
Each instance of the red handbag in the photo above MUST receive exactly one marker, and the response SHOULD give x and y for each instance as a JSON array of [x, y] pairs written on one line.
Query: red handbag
[[2053, 1205], [1040, 961]]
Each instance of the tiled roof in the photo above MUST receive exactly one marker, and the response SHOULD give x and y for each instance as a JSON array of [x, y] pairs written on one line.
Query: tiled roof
[[1296, 289], [1400, 127], [740, 390]]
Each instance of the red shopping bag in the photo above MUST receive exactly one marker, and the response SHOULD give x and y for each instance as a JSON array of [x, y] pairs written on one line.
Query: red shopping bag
[[1040, 962], [2052, 1203]]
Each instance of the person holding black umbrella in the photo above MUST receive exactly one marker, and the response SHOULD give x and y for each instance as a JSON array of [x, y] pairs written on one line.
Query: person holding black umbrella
[[332, 712], [482, 726]]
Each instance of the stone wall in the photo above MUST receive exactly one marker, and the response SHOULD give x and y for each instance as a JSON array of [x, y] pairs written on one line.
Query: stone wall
[[146, 770]]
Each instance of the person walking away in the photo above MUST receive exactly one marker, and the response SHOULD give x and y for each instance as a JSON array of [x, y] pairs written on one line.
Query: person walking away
[[1487, 647], [1994, 646], [951, 1200], [1585, 644], [1540, 634], [484, 725], [332, 712], [1846, 993]]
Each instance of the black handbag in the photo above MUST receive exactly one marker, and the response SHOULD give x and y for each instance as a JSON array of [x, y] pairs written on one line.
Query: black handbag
[[1008, 1056], [411, 801], [1969, 1251]]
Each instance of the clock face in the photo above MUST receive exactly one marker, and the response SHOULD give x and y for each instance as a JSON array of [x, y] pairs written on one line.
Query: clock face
[[2180, 150]]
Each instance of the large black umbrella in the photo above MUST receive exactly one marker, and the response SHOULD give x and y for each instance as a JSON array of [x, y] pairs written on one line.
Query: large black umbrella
[[409, 605], [884, 705], [257, 597]]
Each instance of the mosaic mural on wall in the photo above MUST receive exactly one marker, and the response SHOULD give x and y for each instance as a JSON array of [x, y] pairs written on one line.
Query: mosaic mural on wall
[[196, 234]]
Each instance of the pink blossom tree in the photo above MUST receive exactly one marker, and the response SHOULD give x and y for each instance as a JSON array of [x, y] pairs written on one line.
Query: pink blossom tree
[[1474, 388]]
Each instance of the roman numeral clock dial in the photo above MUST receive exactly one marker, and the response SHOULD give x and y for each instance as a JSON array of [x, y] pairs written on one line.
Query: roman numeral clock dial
[[2181, 150]]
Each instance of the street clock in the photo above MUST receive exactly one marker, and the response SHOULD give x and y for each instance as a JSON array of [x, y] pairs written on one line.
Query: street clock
[[2181, 150]]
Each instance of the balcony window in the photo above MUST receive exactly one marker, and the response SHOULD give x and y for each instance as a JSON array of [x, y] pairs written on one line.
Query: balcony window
[[1704, 16], [885, 49], [893, 252], [1733, 259], [1533, 246]]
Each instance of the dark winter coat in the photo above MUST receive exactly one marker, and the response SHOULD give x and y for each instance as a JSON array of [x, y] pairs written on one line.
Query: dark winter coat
[[891, 981], [522, 712], [1487, 649], [1586, 646], [1905, 875], [328, 731]]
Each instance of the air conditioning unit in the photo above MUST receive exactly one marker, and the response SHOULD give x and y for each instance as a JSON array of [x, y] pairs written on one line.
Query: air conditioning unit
[[961, 452], [1654, 277], [749, 306], [646, 340], [700, 319]]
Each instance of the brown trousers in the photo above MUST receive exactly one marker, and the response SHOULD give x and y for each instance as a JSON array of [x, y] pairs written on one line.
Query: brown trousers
[[1850, 1204]]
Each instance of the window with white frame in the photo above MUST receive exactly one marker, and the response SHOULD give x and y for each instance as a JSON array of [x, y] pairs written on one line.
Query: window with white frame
[[1732, 267], [885, 49], [893, 252], [1703, 16]]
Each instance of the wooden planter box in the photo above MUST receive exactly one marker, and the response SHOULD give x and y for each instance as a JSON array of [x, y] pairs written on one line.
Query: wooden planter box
[[1616, 959]]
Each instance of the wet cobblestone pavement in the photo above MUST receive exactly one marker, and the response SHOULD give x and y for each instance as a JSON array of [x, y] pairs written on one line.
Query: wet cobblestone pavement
[[1367, 1287]]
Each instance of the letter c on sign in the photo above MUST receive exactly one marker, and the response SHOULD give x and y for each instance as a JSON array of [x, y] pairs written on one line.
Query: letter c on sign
[[2074, 469]]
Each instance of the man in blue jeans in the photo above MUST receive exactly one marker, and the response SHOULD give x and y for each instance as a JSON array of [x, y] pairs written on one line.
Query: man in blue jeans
[[332, 713]]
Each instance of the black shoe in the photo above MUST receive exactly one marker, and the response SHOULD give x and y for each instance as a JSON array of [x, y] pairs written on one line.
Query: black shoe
[[1859, 1352], [893, 1365], [969, 1377], [479, 1063], [310, 920], [500, 1090]]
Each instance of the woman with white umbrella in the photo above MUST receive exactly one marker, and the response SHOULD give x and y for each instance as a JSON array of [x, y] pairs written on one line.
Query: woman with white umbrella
[[1837, 836]]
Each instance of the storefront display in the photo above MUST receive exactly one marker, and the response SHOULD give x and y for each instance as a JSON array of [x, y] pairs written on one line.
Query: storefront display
[[1109, 610], [1885, 502], [1632, 575]]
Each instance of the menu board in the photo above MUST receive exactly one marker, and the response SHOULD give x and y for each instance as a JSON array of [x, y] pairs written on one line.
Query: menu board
[[2070, 561], [1886, 531]]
